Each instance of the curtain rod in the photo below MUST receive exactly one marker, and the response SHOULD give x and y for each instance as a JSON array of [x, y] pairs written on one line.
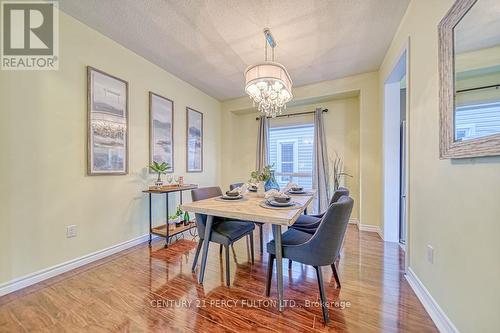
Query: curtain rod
[[294, 114], [479, 88]]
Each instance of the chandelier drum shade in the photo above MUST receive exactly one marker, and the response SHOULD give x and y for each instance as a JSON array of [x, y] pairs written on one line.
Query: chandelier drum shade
[[268, 83]]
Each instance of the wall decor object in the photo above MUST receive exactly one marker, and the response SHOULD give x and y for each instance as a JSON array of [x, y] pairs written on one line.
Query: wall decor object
[[194, 140], [469, 73], [107, 124], [161, 130]]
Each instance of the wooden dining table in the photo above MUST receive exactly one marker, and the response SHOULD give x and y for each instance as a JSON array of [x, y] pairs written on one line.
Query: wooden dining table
[[249, 208]]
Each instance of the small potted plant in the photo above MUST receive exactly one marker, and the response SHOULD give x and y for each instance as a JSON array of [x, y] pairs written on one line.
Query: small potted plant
[[261, 177], [159, 168], [177, 218]]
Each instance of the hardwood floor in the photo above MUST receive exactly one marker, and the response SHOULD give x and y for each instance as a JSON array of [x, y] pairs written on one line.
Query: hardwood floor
[[144, 289]]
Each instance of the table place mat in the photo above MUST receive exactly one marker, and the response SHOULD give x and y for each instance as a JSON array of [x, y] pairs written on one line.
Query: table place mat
[[295, 205]]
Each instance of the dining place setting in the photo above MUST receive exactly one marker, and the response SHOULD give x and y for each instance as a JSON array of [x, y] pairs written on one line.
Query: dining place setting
[[272, 199], [225, 217]]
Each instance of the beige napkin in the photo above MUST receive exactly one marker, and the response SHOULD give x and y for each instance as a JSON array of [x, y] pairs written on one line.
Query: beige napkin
[[289, 186], [235, 190], [275, 193]]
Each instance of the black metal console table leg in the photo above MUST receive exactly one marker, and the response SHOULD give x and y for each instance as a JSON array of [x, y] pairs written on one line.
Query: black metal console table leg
[[166, 218], [150, 220]]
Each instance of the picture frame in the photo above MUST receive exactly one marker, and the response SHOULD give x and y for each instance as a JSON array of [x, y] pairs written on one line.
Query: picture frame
[[107, 124], [194, 140], [161, 130]]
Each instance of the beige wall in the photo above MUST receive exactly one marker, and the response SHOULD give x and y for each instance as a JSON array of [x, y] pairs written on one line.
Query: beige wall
[[454, 204], [370, 158], [44, 186]]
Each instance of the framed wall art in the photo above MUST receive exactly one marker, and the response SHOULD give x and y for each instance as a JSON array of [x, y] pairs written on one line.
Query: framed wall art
[[161, 129], [194, 140], [107, 124]]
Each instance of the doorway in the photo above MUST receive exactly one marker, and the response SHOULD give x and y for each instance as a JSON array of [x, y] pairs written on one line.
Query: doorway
[[395, 150]]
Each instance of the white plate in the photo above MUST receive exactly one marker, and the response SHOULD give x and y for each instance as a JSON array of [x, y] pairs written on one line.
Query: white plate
[[280, 204], [296, 192]]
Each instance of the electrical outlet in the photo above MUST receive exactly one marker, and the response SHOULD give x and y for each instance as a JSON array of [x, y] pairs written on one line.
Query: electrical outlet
[[430, 254], [71, 231]]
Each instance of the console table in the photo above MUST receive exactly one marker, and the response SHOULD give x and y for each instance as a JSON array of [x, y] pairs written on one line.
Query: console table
[[163, 231]]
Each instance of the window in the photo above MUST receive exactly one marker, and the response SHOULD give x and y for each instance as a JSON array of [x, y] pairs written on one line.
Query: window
[[291, 153], [477, 120]]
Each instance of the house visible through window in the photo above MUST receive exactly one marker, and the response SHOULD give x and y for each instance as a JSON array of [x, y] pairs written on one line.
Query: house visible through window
[[291, 153]]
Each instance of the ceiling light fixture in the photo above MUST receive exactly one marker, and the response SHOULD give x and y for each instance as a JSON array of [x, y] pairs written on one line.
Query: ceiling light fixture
[[268, 83]]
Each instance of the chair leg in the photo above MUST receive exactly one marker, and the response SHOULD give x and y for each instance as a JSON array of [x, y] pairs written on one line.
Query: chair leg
[[336, 275], [322, 295], [198, 249], [220, 249], [261, 236], [251, 246], [290, 263], [270, 264], [227, 267]]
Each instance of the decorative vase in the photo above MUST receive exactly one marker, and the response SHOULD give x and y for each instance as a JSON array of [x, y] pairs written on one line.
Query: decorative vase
[[171, 225], [261, 188], [159, 181], [272, 183], [179, 223]]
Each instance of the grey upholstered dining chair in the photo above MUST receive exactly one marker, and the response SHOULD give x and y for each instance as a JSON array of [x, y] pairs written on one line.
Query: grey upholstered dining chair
[[261, 236], [224, 231], [320, 249], [309, 223]]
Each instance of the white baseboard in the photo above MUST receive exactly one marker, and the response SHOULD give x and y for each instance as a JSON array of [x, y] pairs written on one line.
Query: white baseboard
[[44, 274], [354, 221], [437, 314], [370, 228]]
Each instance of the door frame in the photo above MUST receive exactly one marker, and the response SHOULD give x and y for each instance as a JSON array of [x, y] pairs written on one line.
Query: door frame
[[404, 52]]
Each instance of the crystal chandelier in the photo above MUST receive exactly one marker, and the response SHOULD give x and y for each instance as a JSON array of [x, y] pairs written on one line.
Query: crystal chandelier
[[268, 83]]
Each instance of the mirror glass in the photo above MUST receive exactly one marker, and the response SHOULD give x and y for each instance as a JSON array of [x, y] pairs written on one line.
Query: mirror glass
[[477, 72]]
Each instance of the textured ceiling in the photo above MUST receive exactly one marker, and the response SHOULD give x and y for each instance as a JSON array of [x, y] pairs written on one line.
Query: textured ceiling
[[209, 43]]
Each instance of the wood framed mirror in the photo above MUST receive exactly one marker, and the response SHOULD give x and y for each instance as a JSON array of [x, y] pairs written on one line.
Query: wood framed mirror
[[469, 73]]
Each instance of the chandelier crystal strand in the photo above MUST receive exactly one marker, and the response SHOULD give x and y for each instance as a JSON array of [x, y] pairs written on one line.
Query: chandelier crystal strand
[[268, 84]]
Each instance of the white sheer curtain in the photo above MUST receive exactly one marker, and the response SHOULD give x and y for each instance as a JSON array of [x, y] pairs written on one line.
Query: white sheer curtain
[[320, 164], [262, 143]]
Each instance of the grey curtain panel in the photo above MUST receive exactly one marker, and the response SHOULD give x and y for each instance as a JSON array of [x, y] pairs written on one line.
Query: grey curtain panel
[[320, 164], [262, 143]]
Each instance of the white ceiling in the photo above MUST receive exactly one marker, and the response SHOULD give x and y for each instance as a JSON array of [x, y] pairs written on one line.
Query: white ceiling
[[209, 43]]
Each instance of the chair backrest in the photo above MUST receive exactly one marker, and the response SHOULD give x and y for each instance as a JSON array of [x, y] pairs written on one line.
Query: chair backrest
[[235, 185], [327, 240], [201, 194], [341, 191]]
